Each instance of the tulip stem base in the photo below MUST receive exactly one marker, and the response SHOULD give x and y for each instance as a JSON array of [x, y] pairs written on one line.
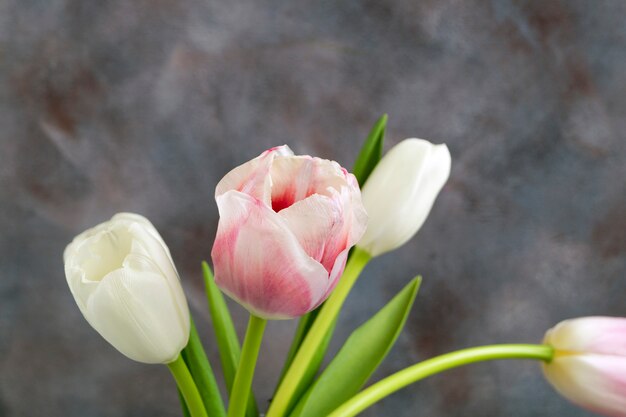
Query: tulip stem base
[[284, 398], [245, 370], [187, 387], [436, 365]]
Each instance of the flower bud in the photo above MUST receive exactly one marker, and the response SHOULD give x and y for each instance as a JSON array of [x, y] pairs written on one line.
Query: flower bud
[[400, 192], [286, 225], [123, 279], [589, 365]]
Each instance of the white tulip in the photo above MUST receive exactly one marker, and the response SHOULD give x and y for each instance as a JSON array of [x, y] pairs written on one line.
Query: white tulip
[[400, 192], [124, 281]]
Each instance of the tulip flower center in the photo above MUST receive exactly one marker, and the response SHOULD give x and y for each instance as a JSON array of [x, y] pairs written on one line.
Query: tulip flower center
[[296, 178], [281, 202], [105, 252]]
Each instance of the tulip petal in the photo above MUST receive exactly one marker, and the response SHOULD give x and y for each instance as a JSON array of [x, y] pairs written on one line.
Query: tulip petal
[[335, 273], [134, 312], [295, 178], [400, 192], [253, 177], [318, 224], [92, 255], [595, 382], [600, 335], [321, 203], [152, 247], [132, 218], [80, 287], [260, 263]]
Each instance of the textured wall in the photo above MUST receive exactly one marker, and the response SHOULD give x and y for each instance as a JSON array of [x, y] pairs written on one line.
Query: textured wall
[[143, 105]]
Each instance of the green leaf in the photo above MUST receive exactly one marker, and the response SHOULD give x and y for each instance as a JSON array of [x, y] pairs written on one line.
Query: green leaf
[[371, 152], [225, 334], [359, 357], [200, 369]]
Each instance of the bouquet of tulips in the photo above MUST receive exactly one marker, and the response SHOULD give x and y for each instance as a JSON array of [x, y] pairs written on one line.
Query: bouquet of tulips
[[294, 234]]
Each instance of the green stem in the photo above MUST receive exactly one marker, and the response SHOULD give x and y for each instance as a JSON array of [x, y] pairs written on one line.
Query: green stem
[[304, 325], [283, 400], [243, 379], [435, 365], [187, 387], [183, 404]]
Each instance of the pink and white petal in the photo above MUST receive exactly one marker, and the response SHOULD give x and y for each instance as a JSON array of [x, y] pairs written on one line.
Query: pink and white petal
[[359, 214], [259, 262], [295, 178], [325, 227], [595, 382], [350, 229], [282, 150], [604, 335], [318, 224], [335, 274], [136, 315], [253, 177]]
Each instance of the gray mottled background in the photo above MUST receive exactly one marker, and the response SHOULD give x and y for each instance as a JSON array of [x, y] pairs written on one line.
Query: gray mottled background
[[143, 106]]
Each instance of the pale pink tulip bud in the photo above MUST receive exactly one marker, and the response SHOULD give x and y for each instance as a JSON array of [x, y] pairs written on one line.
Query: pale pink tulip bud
[[589, 365], [286, 225]]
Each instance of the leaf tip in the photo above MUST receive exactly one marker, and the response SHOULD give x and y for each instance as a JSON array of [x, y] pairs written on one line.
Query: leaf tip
[[415, 284], [206, 272]]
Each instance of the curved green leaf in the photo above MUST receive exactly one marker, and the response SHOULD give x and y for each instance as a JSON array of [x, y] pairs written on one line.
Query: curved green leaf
[[371, 151], [225, 334], [359, 357], [194, 356]]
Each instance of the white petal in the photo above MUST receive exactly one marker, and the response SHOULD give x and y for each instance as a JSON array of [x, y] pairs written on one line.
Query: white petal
[[131, 218], [134, 311], [146, 244], [400, 192]]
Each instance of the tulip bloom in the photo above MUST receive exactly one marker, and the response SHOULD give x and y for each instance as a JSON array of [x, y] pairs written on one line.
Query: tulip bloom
[[589, 365], [400, 192], [286, 225], [123, 279]]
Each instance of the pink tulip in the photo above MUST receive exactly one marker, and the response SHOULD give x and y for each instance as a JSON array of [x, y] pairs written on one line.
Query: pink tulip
[[286, 225], [589, 365]]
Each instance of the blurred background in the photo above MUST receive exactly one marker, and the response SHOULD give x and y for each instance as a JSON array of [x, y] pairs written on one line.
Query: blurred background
[[143, 106]]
